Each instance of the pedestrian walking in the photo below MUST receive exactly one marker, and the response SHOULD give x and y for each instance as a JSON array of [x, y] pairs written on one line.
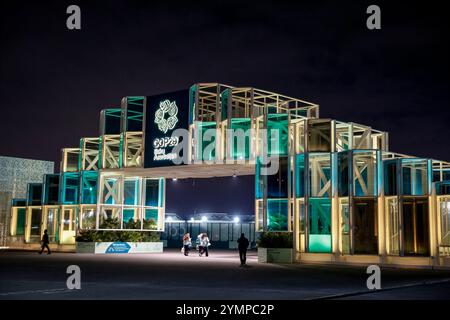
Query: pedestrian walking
[[243, 244], [44, 243]]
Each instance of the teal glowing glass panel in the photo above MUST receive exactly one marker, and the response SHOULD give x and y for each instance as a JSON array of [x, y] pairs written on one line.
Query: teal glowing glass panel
[[443, 188], [161, 192], [131, 192], [20, 226], [70, 187], [240, 148], [319, 225], [207, 141], [277, 134], [89, 187], [259, 179], [152, 192], [277, 215], [150, 219], [300, 175], [414, 177]]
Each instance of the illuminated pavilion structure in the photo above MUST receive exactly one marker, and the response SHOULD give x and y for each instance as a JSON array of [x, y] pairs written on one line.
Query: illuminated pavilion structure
[[345, 196]]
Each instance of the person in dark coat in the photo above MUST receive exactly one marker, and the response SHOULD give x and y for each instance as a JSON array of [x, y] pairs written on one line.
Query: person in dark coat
[[242, 246], [45, 243]]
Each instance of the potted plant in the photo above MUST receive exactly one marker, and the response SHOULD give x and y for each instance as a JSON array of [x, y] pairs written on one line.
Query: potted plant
[[275, 247]]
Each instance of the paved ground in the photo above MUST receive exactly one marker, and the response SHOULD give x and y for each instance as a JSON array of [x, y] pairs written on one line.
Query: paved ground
[[27, 275]]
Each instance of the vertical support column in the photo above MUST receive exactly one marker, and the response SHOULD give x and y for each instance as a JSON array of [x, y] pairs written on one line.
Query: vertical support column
[[335, 234], [381, 208]]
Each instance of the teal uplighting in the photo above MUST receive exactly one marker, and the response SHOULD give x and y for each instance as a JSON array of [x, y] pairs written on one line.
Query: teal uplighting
[[320, 243]]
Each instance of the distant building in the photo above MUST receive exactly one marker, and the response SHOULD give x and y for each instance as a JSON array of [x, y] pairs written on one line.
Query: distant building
[[15, 174], [223, 229]]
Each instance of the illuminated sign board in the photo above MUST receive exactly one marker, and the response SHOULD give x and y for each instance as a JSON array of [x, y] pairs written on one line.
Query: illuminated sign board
[[165, 113]]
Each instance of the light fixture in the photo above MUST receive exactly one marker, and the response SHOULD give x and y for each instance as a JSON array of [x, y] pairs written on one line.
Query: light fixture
[[192, 219], [169, 219], [234, 174], [174, 179], [204, 218], [236, 219]]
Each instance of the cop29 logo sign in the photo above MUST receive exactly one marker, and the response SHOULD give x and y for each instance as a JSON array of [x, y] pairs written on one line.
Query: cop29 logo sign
[[166, 115]]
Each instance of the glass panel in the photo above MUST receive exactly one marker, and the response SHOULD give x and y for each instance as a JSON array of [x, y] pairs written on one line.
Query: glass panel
[[150, 219], [415, 226], [319, 225], [345, 225], [89, 187], [343, 173], [320, 175], [414, 176], [36, 220], [277, 215], [51, 189], [112, 190], [206, 141], [277, 134], [52, 220], [444, 243], [70, 187], [393, 226], [259, 179], [259, 216], [300, 175], [390, 177], [88, 218], [131, 218], [69, 219], [365, 226], [319, 136], [20, 226], [151, 192], [240, 148], [364, 174], [131, 192], [109, 218], [277, 184], [34, 194]]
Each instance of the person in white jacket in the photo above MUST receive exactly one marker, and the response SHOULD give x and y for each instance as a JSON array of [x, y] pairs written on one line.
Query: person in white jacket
[[204, 244], [186, 243]]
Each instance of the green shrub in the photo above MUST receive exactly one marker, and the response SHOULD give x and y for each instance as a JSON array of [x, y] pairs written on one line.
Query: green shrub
[[275, 240], [117, 236]]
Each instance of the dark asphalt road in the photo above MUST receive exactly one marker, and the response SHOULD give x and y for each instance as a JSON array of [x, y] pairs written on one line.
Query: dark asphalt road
[[27, 275]]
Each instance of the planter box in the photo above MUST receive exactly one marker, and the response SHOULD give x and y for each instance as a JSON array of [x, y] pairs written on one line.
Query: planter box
[[119, 247], [275, 255]]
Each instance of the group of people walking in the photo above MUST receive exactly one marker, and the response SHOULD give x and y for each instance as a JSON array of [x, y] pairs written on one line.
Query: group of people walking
[[202, 244]]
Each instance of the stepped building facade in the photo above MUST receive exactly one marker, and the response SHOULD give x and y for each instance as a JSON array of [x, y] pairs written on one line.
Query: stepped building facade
[[335, 185]]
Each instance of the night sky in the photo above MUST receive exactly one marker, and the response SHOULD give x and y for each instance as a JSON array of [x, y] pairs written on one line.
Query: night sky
[[54, 81]]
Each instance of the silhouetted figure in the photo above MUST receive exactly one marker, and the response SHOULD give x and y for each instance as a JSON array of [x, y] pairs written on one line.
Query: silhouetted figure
[[242, 246], [45, 243]]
